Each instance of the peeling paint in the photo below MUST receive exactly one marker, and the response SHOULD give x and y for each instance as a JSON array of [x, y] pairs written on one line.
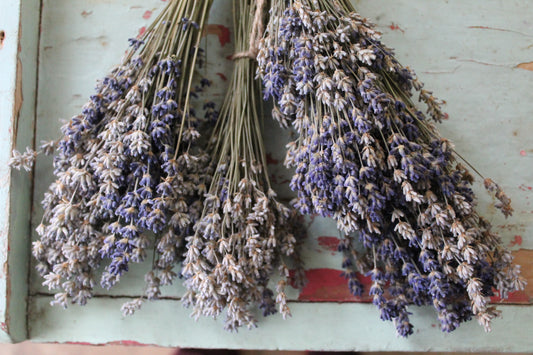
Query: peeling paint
[[525, 66], [517, 240], [222, 76], [512, 227], [84, 343], [147, 14], [127, 343], [329, 243], [525, 187], [111, 343], [142, 30], [221, 31], [395, 27], [270, 159], [328, 285]]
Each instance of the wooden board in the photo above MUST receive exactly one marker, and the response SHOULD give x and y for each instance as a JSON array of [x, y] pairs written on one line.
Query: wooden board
[[477, 55], [18, 58]]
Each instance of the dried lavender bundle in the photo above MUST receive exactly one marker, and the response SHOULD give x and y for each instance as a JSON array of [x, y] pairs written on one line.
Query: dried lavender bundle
[[366, 156], [129, 169], [244, 232]]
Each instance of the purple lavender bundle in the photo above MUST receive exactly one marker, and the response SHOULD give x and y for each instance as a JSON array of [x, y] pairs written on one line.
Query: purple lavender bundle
[[130, 170], [367, 157], [244, 235]]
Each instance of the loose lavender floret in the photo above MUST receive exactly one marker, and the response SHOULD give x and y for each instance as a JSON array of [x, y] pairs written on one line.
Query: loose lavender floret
[[367, 157]]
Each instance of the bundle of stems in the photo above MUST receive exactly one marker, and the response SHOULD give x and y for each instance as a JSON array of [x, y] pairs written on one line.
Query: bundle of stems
[[366, 156], [244, 233], [130, 169]]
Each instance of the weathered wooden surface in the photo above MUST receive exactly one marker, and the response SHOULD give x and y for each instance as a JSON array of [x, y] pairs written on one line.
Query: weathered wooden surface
[[477, 55], [18, 58], [8, 58], [352, 326]]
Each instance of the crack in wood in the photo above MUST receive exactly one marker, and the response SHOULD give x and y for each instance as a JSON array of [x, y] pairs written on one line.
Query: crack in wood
[[467, 60], [499, 29]]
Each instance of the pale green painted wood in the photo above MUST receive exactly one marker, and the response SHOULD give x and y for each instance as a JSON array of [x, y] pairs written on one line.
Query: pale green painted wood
[[18, 57], [467, 52], [313, 327], [8, 57], [21, 184]]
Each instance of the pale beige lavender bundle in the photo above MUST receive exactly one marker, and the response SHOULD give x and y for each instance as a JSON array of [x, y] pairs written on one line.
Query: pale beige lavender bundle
[[245, 235]]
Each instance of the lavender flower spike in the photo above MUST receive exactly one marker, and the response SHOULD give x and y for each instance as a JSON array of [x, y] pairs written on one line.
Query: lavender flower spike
[[367, 157]]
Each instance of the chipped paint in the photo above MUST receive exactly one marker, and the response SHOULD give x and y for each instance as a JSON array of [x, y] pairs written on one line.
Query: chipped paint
[[329, 243], [127, 343], [221, 31], [270, 160], [110, 343], [328, 285], [147, 14], [526, 66], [524, 187], [117, 342], [222, 76], [517, 240], [512, 227], [394, 27], [2, 38], [84, 343]]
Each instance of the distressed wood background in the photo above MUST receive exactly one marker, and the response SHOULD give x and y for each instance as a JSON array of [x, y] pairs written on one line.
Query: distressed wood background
[[477, 55]]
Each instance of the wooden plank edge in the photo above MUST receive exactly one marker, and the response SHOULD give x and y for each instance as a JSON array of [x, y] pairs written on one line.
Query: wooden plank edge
[[21, 182], [328, 326], [17, 133], [10, 23]]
